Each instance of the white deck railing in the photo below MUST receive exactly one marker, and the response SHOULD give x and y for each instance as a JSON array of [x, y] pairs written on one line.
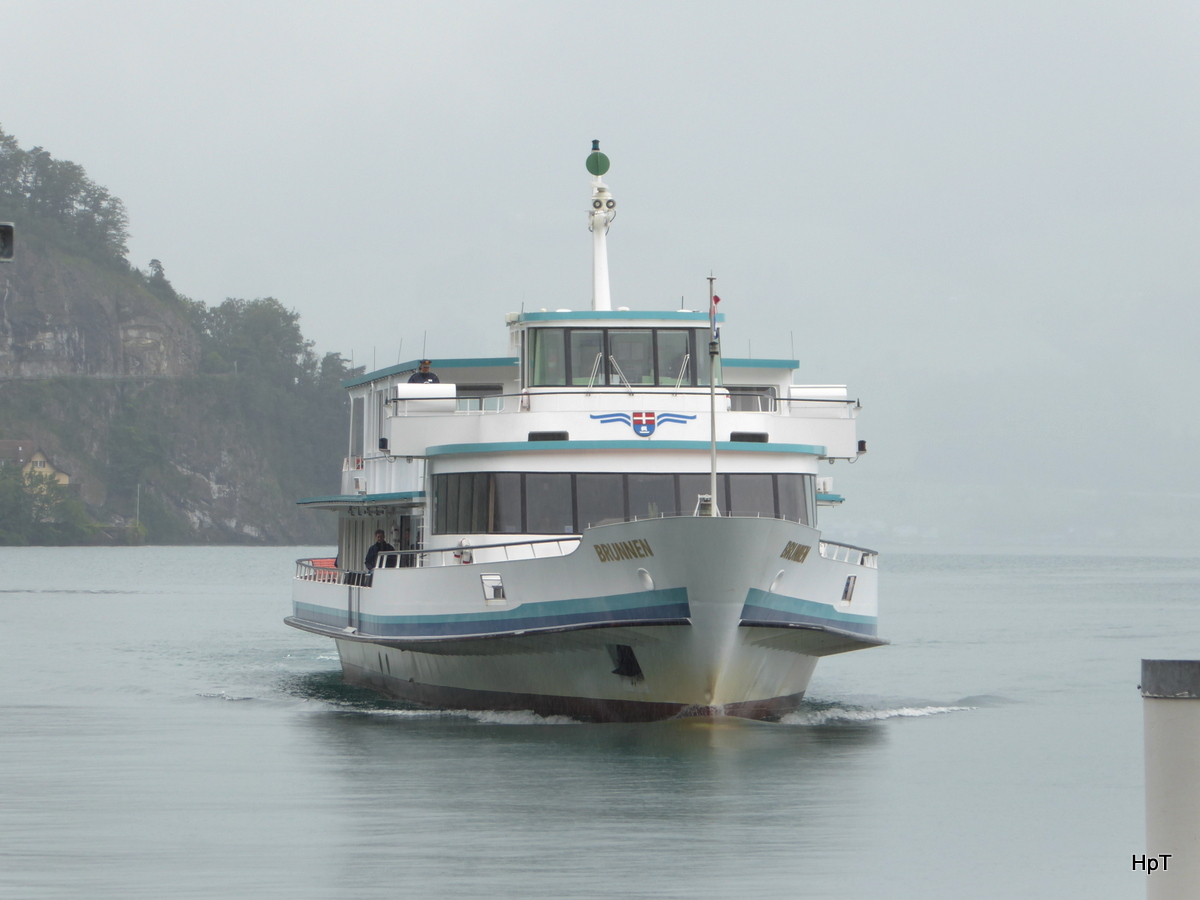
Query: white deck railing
[[856, 556], [325, 570], [526, 401]]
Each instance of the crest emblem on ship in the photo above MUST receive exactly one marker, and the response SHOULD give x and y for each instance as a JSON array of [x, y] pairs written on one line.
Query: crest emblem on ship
[[644, 423]]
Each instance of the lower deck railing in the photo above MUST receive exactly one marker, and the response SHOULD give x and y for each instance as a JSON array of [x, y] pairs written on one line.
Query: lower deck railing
[[326, 570]]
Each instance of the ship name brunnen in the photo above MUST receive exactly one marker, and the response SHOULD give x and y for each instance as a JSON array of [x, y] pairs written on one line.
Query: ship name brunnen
[[624, 550], [795, 552]]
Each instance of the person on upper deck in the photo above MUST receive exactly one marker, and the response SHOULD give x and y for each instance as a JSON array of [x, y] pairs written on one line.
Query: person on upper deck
[[423, 375], [380, 546]]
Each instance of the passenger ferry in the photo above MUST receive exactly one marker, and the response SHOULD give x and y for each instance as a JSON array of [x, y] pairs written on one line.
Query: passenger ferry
[[612, 522]]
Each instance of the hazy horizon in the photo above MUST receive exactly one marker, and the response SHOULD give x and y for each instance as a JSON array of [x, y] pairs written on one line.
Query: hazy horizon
[[981, 218]]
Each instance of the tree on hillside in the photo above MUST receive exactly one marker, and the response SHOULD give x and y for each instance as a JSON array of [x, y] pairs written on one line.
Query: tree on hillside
[[256, 337], [58, 194]]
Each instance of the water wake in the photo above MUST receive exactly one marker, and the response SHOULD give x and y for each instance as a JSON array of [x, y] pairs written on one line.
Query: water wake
[[483, 717], [834, 714]]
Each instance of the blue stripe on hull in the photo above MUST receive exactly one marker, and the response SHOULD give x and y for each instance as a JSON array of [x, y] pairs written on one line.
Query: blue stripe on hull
[[763, 606], [643, 607]]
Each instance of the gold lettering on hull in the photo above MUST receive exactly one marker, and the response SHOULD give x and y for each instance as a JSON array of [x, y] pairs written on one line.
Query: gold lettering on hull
[[797, 553], [637, 549]]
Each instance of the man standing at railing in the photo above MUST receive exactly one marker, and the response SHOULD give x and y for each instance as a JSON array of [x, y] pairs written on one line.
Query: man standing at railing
[[423, 375], [380, 546]]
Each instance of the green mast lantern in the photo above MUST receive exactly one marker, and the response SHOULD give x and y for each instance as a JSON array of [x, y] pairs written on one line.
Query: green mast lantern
[[597, 162]]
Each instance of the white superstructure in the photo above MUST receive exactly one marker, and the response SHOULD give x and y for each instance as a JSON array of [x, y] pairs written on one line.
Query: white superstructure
[[547, 511]]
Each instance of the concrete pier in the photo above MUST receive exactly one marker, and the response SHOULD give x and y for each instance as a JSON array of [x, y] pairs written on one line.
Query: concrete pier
[[1171, 708]]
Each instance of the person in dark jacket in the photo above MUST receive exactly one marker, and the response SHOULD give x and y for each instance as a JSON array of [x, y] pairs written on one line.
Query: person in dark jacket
[[423, 375], [380, 546]]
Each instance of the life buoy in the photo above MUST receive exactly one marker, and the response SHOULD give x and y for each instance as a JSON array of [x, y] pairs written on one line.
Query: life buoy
[[463, 553]]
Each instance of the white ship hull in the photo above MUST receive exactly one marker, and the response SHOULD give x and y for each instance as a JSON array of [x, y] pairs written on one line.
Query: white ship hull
[[639, 621]]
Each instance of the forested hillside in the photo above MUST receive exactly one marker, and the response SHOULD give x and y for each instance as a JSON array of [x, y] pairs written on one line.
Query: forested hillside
[[213, 419]]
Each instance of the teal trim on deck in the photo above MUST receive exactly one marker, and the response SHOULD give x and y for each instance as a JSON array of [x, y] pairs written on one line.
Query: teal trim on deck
[[645, 444], [617, 315], [796, 606], [413, 364], [363, 498], [730, 363], [831, 498]]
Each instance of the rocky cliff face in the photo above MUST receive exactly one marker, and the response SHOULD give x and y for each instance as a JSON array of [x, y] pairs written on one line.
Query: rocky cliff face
[[209, 458], [103, 374], [64, 315]]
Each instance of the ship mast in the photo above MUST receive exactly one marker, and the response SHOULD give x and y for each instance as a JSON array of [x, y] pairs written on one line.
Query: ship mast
[[714, 351], [600, 216]]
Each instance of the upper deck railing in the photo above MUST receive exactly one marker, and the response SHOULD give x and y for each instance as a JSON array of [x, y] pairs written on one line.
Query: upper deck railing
[[526, 401]]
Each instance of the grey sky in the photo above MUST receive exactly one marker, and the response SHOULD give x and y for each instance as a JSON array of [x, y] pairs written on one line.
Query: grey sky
[[981, 216]]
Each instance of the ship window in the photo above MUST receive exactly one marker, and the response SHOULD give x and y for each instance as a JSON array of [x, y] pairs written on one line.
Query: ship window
[[506, 503], [600, 497], [447, 503], [481, 504], [566, 503], [793, 498], [848, 590], [751, 495], [633, 354], [548, 503], [646, 357], [357, 405], [672, 352], [465, 500], [751, 398], [587, 348], [549, 356], [692, 485], [651, 495], [479, 396]]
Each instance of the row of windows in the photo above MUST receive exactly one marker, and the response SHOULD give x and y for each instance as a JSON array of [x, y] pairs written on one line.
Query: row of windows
[[593, 356], [567, 503]]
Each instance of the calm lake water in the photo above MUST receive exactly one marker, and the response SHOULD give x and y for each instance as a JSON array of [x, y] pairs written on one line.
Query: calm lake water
[[163, 733]]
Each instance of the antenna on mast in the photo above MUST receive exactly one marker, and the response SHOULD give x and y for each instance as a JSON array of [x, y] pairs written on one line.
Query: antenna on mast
[[600, 216]]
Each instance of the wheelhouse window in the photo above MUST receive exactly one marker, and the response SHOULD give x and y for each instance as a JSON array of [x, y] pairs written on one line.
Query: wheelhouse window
[[674, 357], [548, 357], [646, 357], [569, 502], [587, 357], [632, 355]]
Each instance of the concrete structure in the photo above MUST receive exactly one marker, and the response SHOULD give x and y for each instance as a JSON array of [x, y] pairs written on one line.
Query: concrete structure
[[1171, 707]]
